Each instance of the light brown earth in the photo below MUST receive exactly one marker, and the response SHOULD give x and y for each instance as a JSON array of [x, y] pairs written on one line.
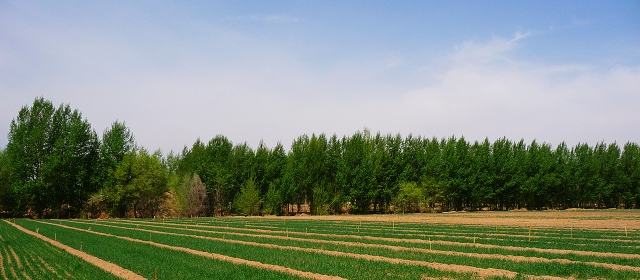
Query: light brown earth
[[587, 219], [104, 265]]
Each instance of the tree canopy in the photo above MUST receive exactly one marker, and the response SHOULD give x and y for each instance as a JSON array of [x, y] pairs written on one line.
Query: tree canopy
[[55, 166]]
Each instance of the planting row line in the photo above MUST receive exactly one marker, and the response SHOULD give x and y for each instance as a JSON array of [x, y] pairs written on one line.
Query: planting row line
[[23, 256], [625, 258], [540, 267], [303, 260]]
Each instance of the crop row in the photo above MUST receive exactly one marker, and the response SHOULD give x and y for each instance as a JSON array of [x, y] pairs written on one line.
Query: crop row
[[510, 248], [171, 232], [25, 257]]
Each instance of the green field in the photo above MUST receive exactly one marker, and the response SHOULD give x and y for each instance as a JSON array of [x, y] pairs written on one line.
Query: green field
[[346, 248]]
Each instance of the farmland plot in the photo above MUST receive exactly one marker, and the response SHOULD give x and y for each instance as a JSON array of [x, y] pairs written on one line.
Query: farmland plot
[[360, 247], [26, 257]]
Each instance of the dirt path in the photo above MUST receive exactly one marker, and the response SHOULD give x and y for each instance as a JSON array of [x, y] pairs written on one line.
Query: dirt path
[[422, 241], [421, 250], [234, 260], [104, 265], [479, 272], [587, 219]]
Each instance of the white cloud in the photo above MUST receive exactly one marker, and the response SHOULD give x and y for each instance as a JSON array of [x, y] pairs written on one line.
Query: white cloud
[[266, 19], [486, 52], [477, 95]]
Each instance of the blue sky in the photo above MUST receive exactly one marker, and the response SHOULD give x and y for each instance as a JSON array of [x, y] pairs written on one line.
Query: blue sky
[[176, 71]]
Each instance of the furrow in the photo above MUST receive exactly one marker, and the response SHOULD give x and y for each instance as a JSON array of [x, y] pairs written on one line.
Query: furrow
[[422, 241], [481, 272], [104, 265], [2, 271], [234, 260], [421, 250], [10, 264]]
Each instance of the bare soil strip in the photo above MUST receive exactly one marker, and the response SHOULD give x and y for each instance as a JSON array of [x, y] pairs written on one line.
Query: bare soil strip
[[479, 272], [421, 250], [234, 260], [440, 242], [483, 235], [104, 265], [550, 219]]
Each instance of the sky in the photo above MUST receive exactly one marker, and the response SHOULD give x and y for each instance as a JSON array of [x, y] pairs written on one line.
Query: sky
[[271, 71]]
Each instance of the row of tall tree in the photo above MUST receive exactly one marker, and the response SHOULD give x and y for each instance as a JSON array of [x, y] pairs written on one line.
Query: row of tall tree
[[55, 165], [365, 173]]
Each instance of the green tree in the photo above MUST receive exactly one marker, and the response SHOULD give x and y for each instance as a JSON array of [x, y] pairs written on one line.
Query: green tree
[[214, 167], [273, 200], [7, 196], [140, 185], [274, 172], [630, 175], [409, 197], [52, 155], [117, 141], [248, 201]]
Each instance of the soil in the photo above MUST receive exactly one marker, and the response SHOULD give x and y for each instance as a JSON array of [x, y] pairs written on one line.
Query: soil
[[587, 219], [104, 265]]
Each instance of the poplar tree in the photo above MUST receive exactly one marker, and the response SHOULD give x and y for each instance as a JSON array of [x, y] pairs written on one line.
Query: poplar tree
[[52, 155]]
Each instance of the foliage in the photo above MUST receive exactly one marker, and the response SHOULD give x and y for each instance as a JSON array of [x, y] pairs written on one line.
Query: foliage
[[409, 197], [117, 141], [52, 154], [140, 185], [54, 163], [273, 201], [192, 195], [248, 202]]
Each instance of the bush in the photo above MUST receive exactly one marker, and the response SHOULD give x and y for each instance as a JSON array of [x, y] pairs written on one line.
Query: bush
[[248, 202]]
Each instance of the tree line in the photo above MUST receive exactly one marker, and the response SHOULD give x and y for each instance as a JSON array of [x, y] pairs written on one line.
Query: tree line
[[55, 165]]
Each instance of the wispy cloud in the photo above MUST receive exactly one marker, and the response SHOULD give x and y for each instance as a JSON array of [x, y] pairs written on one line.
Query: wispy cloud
[[492, 50], [284, 19], [476, 95]]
